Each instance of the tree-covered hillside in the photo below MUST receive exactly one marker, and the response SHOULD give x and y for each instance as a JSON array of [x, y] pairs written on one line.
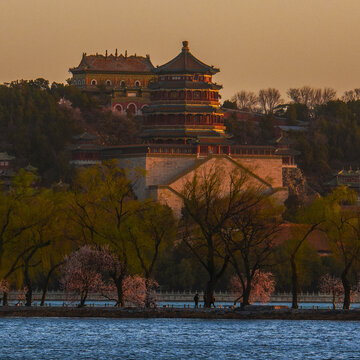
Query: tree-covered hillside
[[331, 140], [38, 121]]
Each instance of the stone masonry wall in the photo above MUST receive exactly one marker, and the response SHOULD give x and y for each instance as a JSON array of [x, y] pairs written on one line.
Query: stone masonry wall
[[269, 169], [226, 166], [161, 169], [136, 166]]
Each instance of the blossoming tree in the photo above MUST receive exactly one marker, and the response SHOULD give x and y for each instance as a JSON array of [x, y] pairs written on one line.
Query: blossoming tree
[[332, 285], [262, 286], [82, 273]]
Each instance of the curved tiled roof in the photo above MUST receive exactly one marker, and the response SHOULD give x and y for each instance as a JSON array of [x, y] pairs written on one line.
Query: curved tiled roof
[[4, 156], [85, 136], [113, 63], [185, 62]]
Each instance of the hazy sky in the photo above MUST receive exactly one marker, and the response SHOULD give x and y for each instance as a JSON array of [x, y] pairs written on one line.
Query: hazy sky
[[255, 43]]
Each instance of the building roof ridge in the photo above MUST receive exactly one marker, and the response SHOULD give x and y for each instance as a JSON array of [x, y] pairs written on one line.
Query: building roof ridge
[[184, 59], [121, 63]]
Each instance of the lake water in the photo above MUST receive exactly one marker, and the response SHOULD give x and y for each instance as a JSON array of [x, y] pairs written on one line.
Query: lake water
[[59, 338]]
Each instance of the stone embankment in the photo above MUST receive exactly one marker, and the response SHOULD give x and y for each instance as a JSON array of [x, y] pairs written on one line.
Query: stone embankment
[[187, 297], [249, 313]]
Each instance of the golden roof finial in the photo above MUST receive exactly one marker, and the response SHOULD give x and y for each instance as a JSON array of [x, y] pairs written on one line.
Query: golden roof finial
[[185, 45]]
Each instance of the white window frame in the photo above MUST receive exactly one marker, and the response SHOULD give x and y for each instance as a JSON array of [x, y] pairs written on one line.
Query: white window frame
[[136, 109], [119, 108]]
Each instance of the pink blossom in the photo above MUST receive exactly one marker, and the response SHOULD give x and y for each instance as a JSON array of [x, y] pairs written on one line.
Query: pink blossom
[[21, 298], [4, 286], [138, 290], [262, 286], [82, 272], [332, 285], [87, 270]]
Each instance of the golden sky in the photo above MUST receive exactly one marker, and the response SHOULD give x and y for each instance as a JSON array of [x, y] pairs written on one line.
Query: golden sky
[[255, 43]]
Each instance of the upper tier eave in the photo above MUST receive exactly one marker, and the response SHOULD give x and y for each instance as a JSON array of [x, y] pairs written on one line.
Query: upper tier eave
[[185, 63]]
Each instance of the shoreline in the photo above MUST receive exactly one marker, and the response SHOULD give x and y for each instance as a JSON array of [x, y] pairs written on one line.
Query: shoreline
[[175, 313]]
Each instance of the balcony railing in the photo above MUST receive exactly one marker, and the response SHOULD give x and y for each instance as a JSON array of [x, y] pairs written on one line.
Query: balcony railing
[[211, 149], [185, 101]]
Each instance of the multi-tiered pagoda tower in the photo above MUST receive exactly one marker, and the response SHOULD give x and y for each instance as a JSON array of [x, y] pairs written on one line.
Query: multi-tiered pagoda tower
[[184, 105]]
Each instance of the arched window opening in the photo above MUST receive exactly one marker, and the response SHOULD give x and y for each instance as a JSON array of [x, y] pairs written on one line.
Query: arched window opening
[[122, 84], [137, 83], [118, 108], [108, 82], [132, 108], [93, 82]]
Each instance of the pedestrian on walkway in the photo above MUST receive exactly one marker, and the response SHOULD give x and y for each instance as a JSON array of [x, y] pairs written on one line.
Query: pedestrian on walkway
[[196, 300]]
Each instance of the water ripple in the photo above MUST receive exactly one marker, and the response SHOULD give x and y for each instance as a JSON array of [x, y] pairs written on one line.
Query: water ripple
[[80, 339]]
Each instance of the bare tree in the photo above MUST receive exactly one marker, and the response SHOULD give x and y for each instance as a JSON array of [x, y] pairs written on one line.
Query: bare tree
[[304, 95], [295, 95], [328, 94], [311, 97], [245, 100], [250, 238], [209, 202], [351, 95], [268, 99]]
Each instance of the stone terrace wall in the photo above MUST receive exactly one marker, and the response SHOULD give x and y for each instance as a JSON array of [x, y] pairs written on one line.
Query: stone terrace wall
[[261, 167], [135, 165], [269, 169], [162, 168]]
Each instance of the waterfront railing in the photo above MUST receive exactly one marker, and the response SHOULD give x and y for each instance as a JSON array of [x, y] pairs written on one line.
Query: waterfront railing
[[188, 296]]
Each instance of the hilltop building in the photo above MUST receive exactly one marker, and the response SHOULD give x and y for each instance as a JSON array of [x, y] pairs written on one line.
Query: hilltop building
[[124, 79], [7, 172], [184, 133], [349, 178], [85, 151]]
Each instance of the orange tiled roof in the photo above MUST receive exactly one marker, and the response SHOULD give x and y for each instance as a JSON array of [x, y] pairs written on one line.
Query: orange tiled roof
[[113, 63]]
